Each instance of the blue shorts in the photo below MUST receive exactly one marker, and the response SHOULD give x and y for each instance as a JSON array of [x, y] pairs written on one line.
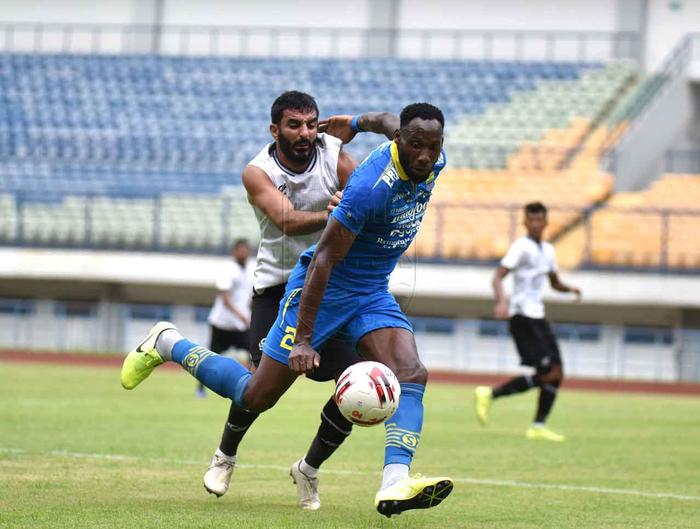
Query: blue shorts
[[344, 314]]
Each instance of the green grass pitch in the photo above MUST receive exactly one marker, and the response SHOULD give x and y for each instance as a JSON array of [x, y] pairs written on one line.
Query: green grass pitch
[[76, 450]]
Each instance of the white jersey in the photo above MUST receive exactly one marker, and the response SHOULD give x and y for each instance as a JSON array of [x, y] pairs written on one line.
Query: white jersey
[[237, 282], [530, 264], [308, 191]]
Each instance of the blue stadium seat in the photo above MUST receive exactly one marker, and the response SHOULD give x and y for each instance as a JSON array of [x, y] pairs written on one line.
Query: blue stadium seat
[[139, 126]]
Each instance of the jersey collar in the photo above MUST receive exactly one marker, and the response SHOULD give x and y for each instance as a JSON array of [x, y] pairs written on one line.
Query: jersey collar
[[397, 162]]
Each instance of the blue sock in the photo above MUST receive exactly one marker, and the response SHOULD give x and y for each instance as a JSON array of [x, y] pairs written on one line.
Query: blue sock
[[404, 428], [224, 376]]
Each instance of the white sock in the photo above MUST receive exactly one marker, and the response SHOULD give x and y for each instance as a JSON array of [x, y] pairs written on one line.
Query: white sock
[[307, 469], [538, 425], [393, 472], [165, 343], [220, 454]]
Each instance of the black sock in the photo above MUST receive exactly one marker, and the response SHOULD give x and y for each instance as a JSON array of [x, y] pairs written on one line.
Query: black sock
[[237, 425], [516, 385], [548, 394], [333, 431]]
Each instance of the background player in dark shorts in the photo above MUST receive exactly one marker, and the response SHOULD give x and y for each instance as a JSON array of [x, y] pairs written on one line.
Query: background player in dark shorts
[[535, 341], [532, 261]]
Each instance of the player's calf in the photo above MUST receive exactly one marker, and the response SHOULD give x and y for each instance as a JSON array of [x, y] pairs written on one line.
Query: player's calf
[[413, 373], [270, 382]]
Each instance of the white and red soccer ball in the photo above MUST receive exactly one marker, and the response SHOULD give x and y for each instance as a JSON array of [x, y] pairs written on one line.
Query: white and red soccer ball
[[367, 393]]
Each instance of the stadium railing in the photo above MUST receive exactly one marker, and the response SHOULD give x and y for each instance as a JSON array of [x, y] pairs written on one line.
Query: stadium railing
[[447, 44], [655, 256]]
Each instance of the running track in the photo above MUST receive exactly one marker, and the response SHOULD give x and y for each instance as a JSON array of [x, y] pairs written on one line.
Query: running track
[[115, 362]]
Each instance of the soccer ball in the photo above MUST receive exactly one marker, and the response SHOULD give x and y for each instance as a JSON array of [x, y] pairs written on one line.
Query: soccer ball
[[367, 393]]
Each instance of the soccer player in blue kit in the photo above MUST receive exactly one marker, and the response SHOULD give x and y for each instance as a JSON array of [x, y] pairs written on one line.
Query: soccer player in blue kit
[[342, 285]]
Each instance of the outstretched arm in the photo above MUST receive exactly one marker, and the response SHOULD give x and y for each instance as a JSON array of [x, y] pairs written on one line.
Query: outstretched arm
[[277, 207], [559, 286], [378, 122], [331, 249]]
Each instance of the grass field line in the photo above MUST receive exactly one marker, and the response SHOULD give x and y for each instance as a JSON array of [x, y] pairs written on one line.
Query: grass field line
[[476, 481]]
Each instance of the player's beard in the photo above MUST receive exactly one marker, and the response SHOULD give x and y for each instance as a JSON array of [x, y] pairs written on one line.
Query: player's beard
[[287, 148]]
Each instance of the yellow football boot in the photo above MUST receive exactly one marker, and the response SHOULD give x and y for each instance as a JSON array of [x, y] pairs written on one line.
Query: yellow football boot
[[414, 492], [542, 432], [483, 396], [141, 362]]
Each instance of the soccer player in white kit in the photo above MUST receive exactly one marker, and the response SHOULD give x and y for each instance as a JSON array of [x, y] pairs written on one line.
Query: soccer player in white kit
[[532, 261]]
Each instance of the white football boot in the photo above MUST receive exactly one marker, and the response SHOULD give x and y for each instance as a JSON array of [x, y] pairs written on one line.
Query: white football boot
[[218, 476], [307, 488]]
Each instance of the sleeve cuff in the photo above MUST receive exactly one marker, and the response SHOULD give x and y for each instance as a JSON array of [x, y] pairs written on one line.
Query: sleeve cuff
[[346, 223]]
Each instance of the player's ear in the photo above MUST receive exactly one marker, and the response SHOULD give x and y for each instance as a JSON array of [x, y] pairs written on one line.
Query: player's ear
[[397, 135], [274, 130]]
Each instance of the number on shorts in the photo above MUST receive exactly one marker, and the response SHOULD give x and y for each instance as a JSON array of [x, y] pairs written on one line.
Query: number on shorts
[[288, 339]]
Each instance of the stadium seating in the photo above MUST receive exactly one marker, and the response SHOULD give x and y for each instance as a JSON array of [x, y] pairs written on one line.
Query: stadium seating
[[656, 227], [537, 129], [146, 151]]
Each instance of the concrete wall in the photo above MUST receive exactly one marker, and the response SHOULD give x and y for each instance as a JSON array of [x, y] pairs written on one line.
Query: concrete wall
[[68, 11], [662, 21], [163, 276], [579, 16], [575, 15], [667, 22], [639, 157], [463, 350]]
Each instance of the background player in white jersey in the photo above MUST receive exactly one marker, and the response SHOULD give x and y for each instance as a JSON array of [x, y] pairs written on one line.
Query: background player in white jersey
[[293, 184], [229, 318], [531, 260]]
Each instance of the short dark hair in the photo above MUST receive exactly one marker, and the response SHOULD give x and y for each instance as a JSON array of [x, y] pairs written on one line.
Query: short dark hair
[[535, 208], [240, 242], [291, 100], [422, 111]]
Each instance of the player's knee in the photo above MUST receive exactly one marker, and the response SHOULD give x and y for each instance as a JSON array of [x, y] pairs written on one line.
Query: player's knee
[[260, 401], [558, 373], [553, 376], [414, 373]]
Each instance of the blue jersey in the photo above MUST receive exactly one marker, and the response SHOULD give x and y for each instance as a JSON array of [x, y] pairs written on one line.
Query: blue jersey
[[384, 209]]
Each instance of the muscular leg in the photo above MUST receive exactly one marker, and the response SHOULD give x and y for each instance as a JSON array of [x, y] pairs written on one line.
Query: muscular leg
[[396, 348], [270, 381], [227, 377], [237, 424]]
